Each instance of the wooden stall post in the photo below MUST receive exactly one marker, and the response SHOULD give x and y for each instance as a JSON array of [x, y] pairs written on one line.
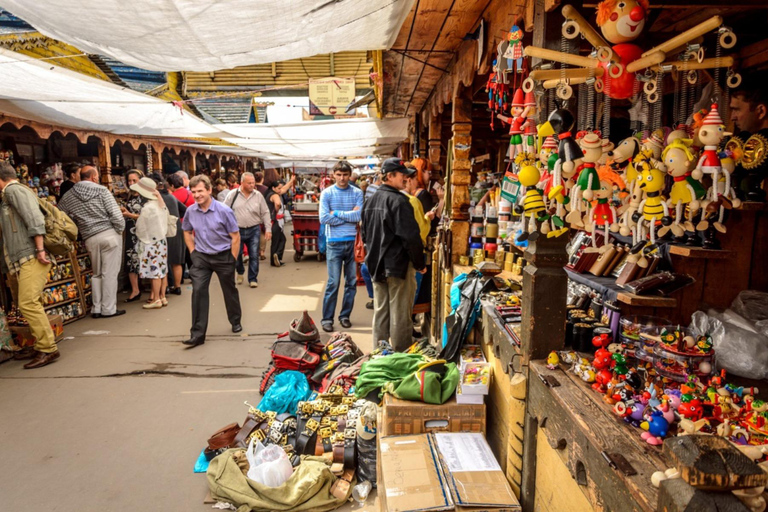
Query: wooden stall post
[[461, 173], [544, 295], [435, 127], [105, 160], [157, 160], [192, 163]]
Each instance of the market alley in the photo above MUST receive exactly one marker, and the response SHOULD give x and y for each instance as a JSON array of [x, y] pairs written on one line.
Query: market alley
[[119, 422]]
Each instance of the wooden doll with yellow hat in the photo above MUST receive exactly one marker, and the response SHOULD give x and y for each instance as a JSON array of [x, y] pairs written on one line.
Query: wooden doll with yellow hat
[[686, 192]]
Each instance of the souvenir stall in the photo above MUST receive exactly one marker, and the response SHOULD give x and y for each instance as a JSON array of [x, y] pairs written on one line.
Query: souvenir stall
[[645, 221]]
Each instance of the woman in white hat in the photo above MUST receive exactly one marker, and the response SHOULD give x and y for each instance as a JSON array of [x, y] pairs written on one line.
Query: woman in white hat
[[151, 230]]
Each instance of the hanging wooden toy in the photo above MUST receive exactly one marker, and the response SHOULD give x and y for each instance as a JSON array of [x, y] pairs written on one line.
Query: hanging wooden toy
[[617, 59], [519, 116], [532, 205], [587, 180], [686, 192], [529, 126], [514, 51], [722, 189], [603, 214], [569, 156], [654, 207]]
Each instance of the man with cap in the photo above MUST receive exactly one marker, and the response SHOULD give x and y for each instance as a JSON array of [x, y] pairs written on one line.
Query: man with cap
[[394, 254]]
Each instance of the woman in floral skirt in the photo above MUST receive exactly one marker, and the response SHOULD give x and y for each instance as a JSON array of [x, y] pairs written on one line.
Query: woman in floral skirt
[[151, 229], [131, 212]]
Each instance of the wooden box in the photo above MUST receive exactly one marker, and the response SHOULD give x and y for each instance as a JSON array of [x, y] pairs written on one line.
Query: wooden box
[[22, 335], [402, 417]]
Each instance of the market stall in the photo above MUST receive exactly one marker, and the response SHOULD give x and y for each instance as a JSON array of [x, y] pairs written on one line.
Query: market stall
[[641, 212]]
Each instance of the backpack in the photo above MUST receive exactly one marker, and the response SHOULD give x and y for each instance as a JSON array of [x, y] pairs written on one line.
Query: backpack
[[60, 230]]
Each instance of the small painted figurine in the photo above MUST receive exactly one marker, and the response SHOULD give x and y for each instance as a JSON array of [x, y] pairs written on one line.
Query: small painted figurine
[[711, 134], [686, 192], [587, 179], [657, 428], [533, 206], [519, 116], [553, 360], [654, 206]]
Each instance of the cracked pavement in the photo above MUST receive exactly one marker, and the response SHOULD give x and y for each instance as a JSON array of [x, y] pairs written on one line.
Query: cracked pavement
[[117, 423]]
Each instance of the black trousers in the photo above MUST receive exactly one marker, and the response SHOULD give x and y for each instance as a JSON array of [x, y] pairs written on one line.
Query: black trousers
[[278, 243], [203, 267]]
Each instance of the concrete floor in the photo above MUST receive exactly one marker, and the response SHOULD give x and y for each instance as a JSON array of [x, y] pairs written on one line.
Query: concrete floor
[[118, 422]]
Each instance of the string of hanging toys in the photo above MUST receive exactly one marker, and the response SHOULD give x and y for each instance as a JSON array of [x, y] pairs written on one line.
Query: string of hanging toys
[[671, 182]]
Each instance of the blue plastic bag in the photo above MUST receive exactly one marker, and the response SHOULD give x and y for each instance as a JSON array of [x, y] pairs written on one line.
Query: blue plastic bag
[[284, 395]]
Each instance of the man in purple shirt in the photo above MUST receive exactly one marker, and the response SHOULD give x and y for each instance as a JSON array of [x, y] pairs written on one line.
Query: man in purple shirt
[[213, 240]]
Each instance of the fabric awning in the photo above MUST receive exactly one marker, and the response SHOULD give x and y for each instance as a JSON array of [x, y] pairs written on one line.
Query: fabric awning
[[39, 91], [206, 35], [320, 140]]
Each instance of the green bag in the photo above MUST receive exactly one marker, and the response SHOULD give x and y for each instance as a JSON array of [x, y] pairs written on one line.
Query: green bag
[[409, 377]]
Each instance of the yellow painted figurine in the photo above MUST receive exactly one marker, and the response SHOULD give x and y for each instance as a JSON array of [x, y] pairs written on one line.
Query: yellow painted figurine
[[552, 360], [654, 206]]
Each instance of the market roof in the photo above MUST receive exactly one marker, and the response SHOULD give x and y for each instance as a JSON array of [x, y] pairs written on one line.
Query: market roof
[[424, 48], [205, 35], [320, 139]]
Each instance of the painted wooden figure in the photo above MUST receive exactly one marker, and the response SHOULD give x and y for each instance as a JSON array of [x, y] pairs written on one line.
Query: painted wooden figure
[[516, 121], [654, 206], [686, 192]]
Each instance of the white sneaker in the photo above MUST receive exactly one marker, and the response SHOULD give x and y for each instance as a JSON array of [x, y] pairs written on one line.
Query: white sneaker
[[239, 279], [253, 284]]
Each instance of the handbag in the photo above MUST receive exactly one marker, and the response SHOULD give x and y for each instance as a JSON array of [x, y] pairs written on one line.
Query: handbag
[[359, 247], [172, 225]]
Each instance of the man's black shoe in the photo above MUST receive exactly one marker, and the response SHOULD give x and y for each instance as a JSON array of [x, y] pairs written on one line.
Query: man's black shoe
[[369, 305], [327, 327], [345, 323], [116, 313], [96, 315], [193, 343], [237, 328]]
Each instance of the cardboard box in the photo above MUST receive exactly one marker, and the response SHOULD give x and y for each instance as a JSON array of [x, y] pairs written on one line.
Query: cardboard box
[[472, 473], [415, 475], [22, 335], [471, 354], [403, 417], [464, 398], [410, 477], [477, 387]]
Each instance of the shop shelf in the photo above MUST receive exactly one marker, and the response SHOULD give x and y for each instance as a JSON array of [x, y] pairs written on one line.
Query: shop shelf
[[62, 281], [63, 303], [698, 252]]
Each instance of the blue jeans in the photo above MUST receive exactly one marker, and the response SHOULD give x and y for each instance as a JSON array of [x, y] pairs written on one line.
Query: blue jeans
[[250, 237], [338, 255], [367, 278]]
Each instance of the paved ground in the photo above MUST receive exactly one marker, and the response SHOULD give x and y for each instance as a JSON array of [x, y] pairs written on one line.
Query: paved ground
[[118, 422]]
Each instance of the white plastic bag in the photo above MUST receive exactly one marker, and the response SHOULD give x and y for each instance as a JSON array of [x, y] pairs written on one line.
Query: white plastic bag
[[738, 347], [270, 465]]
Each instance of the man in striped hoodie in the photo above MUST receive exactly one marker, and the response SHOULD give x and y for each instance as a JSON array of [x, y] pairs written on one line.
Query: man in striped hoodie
[[340, 206]]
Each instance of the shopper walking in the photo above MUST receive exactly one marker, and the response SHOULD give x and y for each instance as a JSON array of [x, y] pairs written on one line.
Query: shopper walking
[[340, 206], [176, 247], [101, 225], [394, 254], [22, 227], [263, 190], [277, 214], [131, 212], [151, 230], [251, 212], [213, 239]]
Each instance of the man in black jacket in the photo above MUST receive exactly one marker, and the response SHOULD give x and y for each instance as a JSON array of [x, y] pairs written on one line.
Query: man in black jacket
[[394, 254]]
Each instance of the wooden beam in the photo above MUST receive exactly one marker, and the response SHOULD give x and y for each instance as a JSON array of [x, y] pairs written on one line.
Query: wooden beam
[[462, 166], [435, 129]]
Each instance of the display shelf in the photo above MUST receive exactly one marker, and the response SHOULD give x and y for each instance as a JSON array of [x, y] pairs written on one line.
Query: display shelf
[[652, 301], [61, 281], [753, 206], [509, 275], [64, 303], [608, 287], [698, 252], [63, 260], [73, 319]]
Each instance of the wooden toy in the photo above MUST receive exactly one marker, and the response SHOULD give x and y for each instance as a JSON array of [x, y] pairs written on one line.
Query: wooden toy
[[654, 206], [686, 191]]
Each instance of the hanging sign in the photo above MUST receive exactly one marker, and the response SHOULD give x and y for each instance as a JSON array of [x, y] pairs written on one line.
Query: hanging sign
[[331, 96]]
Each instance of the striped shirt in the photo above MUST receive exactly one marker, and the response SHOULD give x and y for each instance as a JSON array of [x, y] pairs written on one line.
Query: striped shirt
[[337, 215]]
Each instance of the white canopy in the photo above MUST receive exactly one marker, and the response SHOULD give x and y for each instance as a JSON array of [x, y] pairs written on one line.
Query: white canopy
[[38, 91], [320, 140], [206, 35]]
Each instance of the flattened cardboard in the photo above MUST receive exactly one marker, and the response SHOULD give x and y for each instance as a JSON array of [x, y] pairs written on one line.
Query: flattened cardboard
[[410, 477], [482, 485], [403, 417]]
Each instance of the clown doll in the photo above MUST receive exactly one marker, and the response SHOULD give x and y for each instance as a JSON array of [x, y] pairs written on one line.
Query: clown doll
[[514, 52], [686, 192], [723, 193], [519, 116], [602, 214]]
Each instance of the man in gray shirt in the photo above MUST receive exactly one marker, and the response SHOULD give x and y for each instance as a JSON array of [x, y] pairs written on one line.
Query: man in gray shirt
[[101, 225]]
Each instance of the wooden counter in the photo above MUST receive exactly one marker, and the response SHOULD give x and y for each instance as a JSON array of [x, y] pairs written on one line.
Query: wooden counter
[[582, 428]]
